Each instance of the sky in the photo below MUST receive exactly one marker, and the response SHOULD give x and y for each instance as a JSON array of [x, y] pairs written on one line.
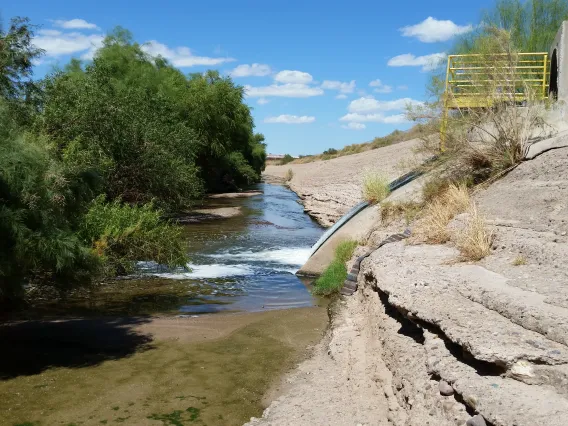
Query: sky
[[317, 74]]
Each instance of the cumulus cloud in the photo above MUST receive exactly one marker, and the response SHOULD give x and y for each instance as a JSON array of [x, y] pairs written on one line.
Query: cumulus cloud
[[374, 118], [56, 43], [181, 57], [75, 24], [290, 90], [369, 104], [293, 77], [253, 70], [342, 87], [427, 62], [432, 30], [262, 101], [290, 119], [354, 126], [379, 87]]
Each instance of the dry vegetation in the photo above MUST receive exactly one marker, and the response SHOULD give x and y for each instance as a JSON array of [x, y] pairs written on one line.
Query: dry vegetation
[[474, 240], [375, 187], [379, 142], [289, 175]]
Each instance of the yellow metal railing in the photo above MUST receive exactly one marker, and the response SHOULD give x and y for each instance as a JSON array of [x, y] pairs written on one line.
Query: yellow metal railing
[[478, 81]]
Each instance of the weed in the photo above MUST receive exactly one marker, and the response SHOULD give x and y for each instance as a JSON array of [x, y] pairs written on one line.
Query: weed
[[116, 408], [289, 175], [432, 226], [392, 210], [474, 241], [375, 187], [520, 260], [177, 417], [332, 278]]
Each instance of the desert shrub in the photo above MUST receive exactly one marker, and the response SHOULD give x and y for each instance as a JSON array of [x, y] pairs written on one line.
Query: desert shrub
[[289, 175], [520, 260], [335, 274], [121, 235], [375, 187], [474, 240]]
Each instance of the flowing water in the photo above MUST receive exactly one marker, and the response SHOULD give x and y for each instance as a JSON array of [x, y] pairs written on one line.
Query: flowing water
[[247, 262]]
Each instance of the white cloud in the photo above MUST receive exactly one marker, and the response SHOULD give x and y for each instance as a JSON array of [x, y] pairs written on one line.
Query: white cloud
[[402, 87], [354, 126], [56, 43], [427, 62], [432, 30], [181, 56], [374, 118], [253, 70], [262, 101], [284, 90], [293, 77], [341, 96], [369, 104], [290, 119], [75, 24], [380, 87], [343, 87]]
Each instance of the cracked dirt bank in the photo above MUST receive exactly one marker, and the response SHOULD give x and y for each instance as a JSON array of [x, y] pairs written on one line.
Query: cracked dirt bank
[[492, 336]]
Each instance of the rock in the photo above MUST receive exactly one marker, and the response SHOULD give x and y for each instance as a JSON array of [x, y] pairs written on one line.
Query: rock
[[445, 388], [477, 420]]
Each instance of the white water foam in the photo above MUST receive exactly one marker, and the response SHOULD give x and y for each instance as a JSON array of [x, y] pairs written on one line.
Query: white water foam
[[286, 256], [209, 271]]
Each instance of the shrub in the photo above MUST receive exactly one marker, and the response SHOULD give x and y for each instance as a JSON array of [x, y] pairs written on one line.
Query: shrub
[[375, 187], [121, 235], [474, 241], [392, 210], [289, 175], [335, 274], [287, 159]]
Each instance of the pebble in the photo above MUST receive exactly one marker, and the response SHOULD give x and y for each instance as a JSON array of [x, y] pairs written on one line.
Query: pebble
[[477, 420], [445, 389]]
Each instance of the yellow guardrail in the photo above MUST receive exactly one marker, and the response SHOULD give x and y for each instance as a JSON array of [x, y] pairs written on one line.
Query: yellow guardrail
[[478, 81]]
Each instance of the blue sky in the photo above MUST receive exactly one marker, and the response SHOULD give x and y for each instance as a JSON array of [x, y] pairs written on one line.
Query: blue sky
[[318, 74]]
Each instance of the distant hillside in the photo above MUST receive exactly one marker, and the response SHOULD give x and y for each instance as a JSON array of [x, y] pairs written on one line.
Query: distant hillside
[[379, 142]]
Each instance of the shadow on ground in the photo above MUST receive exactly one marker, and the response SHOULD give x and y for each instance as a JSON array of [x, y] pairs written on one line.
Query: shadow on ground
[[30, 347]]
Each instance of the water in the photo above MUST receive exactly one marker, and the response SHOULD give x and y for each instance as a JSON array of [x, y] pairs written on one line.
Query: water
[[245, 263]]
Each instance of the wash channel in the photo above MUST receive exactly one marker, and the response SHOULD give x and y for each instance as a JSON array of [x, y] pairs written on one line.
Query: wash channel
[[241, 263]]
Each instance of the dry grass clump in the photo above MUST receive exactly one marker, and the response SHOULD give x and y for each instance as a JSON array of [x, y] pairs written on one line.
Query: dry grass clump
[[289, 175], [474, 240], [432, 226], [520, 260], [375, 187], [391, 211]]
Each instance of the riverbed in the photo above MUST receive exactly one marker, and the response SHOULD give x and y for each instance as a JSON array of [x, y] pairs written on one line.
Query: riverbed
[[200, 345]]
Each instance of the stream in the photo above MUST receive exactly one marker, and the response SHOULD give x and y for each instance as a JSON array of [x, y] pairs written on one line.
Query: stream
[[243, 263]]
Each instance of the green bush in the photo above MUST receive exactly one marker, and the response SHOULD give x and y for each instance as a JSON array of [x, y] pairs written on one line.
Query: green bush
[[38, 208], [335, 274], [121, 235], [287, 159]]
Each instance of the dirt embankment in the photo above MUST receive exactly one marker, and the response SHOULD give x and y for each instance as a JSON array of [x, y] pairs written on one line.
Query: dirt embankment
[[428, 339], [328, 189]]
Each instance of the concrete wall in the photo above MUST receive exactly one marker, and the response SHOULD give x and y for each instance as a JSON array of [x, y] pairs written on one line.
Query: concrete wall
[[560, 48]]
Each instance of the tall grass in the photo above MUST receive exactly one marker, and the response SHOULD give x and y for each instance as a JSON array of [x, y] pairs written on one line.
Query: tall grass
[[474, 240], [375, 187], [332, 278]]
